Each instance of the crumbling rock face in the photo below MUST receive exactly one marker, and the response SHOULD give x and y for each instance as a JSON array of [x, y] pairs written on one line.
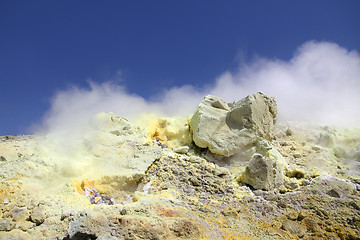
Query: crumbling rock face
[[190, 176], [226, 128]]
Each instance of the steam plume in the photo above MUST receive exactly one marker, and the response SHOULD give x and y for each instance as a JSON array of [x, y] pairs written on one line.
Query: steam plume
[[320, 84]]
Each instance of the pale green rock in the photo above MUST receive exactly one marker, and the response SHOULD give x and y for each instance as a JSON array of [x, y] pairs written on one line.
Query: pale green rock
[[225, 131]]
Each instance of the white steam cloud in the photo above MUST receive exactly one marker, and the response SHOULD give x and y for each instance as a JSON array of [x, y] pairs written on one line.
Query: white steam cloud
[[320, 85]]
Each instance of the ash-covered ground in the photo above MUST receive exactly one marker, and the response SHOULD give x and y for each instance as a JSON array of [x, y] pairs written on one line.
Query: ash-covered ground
[[229, 171]]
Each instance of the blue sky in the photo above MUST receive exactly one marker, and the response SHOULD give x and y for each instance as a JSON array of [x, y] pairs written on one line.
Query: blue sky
[[149, 46]]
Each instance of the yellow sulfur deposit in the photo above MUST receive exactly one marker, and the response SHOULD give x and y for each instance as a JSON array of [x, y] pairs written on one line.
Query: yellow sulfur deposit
[[80, 186], [173, 132]]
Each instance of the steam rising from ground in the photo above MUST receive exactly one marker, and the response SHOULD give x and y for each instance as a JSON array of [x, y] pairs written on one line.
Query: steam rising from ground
[[320, 84]]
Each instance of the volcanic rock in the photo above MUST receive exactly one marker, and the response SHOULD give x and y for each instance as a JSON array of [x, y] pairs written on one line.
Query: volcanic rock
[[262, 173], [15, 234], [256, 112], [224, 130], [6, 224], [125, 149], [88, 224], [19, 214], [182, 150], [302, 183], [332, 186], [294, 228]]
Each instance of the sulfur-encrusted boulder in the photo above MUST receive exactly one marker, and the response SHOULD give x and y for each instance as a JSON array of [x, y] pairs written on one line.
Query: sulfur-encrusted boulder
[[226, 128]]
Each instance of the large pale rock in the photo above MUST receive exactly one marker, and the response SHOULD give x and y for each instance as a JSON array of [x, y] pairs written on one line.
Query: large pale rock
[[262, 173], [226, 128], [256, 112]]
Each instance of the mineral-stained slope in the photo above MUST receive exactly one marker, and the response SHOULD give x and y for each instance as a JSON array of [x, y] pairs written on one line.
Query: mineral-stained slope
[[228, 172]]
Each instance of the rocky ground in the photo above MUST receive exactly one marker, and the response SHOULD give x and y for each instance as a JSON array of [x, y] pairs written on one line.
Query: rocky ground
[[228, 172]]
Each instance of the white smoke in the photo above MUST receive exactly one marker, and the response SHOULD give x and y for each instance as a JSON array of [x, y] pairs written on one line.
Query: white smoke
[[320, 84]]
